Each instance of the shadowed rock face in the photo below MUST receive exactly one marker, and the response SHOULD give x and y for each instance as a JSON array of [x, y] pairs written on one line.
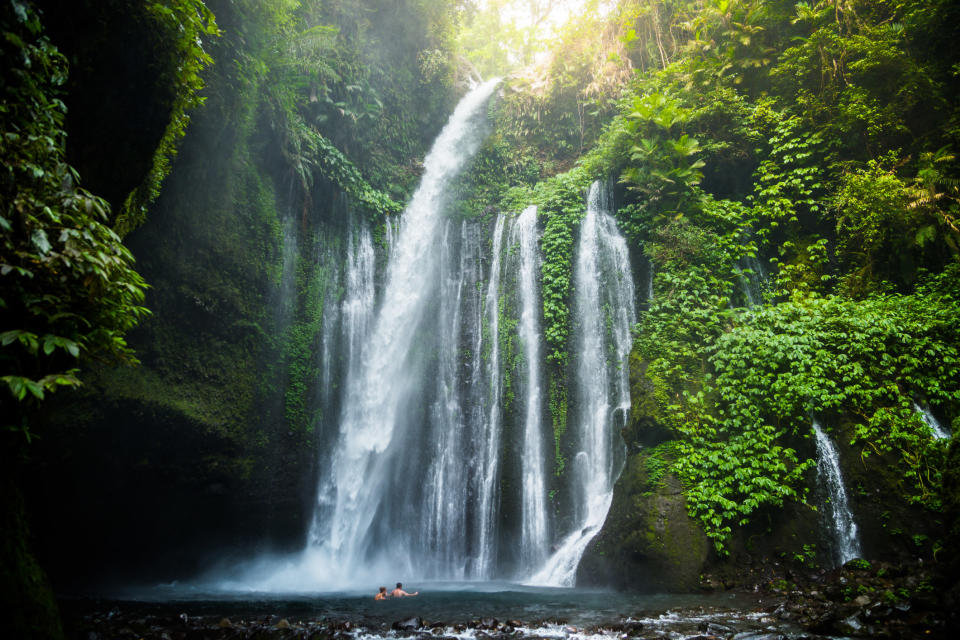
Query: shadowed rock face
[[649, 542], [118, 93]]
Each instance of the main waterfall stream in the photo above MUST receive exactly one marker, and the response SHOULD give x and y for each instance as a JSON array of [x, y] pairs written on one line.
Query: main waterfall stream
[[378, 493]]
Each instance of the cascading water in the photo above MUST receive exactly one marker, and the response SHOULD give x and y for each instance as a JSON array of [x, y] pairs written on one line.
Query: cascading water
[[753, 280], [604, 308], [447, 490], [420, 435], [843, 529], [534, 524], [374, 478], [487, 415], [650, 282], [936, 429], [353, 316]]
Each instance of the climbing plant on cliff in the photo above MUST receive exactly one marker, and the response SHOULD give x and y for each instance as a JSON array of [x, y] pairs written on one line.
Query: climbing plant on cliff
[[67, 285], [181, 26]]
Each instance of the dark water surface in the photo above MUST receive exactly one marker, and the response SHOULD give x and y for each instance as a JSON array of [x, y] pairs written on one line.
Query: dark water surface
[[454, 611], [437, 602]]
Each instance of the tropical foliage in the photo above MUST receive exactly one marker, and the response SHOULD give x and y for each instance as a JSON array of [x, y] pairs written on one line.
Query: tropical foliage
[[67, 284]]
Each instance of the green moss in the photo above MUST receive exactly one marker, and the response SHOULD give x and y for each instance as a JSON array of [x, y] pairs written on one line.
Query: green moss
[[179, 27], [658, 463], [558, 415], [509, 357]]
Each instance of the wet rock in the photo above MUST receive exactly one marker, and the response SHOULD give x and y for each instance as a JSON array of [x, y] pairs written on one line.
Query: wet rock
[[850, 625], [410, 624], [715, 629], [633, 628]]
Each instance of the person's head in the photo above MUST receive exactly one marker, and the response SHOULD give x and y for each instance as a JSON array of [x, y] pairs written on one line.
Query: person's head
[[382, 589], [399, 586]]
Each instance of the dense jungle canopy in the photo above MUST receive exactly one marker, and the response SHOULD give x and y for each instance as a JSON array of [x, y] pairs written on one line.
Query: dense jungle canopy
[[785, 174]]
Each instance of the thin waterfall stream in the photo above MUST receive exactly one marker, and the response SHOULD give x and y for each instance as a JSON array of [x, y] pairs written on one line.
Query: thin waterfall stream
[[534, 531], [840, 521], [488, 416], [936, 429]]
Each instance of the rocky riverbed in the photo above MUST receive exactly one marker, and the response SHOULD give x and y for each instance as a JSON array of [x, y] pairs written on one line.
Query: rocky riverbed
[[859, 600]]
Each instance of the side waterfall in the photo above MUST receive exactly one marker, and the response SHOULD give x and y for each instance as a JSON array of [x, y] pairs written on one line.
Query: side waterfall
[[604, 308], [936, 429], [366, 511], [534, 533], [843, 528], [340, 350], [753, 280]]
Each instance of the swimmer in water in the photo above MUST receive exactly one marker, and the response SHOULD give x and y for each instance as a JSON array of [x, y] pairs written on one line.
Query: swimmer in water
[[399, 592]]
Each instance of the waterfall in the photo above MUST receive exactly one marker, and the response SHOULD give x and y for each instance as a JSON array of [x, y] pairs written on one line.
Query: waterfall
[[533, 537], [376, 470], [936, 429], [604, 312], [356, 311], [328, 345], [843, 528], [753, 280], [446, 489], [488, 415], [650, 282], [353, 317], [432, 398]]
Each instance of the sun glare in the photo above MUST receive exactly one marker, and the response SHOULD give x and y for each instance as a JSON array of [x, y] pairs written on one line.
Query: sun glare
[[547, 15]]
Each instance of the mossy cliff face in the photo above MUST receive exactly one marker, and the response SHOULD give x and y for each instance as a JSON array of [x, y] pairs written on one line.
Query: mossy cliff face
[[951, 520], [30, 608], [179, 449], [648, 543]]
